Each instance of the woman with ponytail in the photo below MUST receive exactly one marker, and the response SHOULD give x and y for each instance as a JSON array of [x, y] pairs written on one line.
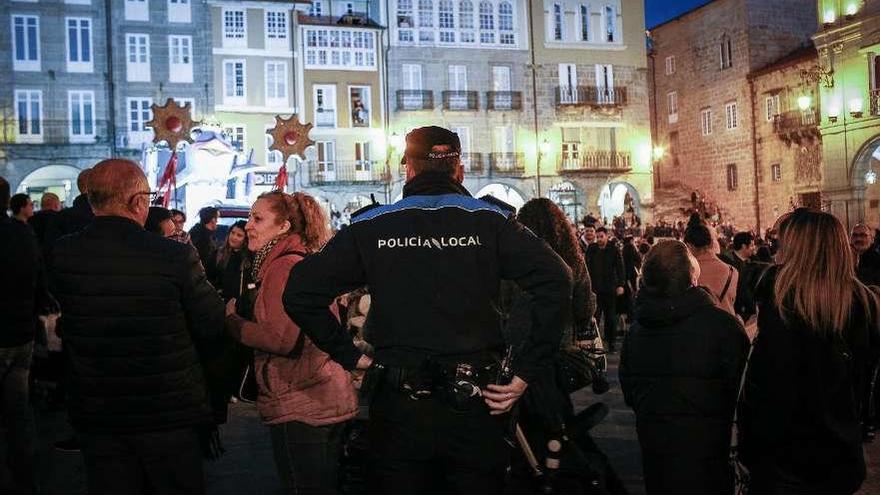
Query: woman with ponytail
[[715, 275], [304, 397]]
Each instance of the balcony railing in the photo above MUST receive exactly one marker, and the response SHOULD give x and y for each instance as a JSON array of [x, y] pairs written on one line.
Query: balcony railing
[[875, 101], [797, 125], [591, 96], [507, 163], [504, 100], [345, 171], [415, 99], [461, 100], [473, 163], [595, 161]]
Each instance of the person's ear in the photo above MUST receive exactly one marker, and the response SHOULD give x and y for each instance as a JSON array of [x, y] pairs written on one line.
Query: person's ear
[[410, 173], [459, 172], [285, 227]]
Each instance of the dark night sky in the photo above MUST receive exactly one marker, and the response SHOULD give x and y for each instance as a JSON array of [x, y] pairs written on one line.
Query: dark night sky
[[657, 11]]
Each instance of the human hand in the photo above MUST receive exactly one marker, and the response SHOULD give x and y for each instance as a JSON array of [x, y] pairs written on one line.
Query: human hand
[[620, 291], [501, 398], [230, 307], [364, 362]]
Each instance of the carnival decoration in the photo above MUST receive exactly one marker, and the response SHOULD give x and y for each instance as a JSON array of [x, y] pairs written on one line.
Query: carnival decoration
[[171, 123], [289, 137]]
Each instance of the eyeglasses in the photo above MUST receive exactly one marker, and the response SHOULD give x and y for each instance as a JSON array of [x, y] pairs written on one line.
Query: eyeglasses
[[151, 196]]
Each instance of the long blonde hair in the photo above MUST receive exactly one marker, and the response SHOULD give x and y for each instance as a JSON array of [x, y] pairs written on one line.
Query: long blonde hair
[[817, 280]]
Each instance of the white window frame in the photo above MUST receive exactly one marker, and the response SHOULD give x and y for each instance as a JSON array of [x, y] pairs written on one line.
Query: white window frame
[[706, 122], [557, 22], [230, 36], [31, 96], [670, 65], [192, 104], [320, 52], [776, 172], [137, 71], [616, 29], [316, 9], [731, 116], [672, 106], [180, 72], [329, 93], [235, 128], [180, 11], [137, 10], [725, 52], [585, 19], [366, 97], [278, 85], [79, 66], [326, 168], [143, 134], [771, 107], [74, 2], [273, 158], [281, 38], [26, 64], [82, 137], [234, 99]]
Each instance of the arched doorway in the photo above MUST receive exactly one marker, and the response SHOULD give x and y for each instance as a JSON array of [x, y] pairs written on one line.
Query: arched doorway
[[570, 199], [865, 205], [58, 179], [503, 192], [617, 199]]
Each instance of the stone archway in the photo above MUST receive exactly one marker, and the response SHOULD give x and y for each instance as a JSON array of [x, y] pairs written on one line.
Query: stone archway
[[570, 198], [504, 192], [58, 179], [864, 202], [618, 198]]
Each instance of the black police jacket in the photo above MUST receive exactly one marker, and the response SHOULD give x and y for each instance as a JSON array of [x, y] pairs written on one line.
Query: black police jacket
[[433, 263]]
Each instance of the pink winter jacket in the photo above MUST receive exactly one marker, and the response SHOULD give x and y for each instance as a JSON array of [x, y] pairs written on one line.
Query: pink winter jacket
[[310, 388]]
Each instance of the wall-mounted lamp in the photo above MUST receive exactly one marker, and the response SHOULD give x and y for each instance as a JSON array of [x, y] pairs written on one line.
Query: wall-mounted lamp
[[851, 9], [855, 108], [829, 17], [833, 113], [804, 102]]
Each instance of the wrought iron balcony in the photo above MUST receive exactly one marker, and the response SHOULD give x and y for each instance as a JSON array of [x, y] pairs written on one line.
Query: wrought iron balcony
[[797, 126], [504, 100], [415, 99], [507, 163], [595, 161], [346, 171], [591, 96], [325, 117], [473, 163], [461, 100]]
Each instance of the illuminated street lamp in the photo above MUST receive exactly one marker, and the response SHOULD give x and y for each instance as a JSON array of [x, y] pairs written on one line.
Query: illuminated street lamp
[[804, 103], [659, 153], [829, 17], [870, 177], [851, 9], [855, 108], [833, 113], [545, 147]]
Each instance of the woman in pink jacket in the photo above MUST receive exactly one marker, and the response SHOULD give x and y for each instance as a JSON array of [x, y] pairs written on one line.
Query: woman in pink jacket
[[304, 397], [715, 275]]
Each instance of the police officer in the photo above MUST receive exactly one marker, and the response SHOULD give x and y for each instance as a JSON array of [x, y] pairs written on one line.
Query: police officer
[[433, 262]]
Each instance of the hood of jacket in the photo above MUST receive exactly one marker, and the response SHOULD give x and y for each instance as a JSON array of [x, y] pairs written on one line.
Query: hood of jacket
[[654, 311]]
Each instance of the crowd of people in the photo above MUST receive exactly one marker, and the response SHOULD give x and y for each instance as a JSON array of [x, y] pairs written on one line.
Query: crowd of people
[[455, 320]]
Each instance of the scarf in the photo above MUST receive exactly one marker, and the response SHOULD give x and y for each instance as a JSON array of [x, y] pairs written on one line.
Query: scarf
[[262, 254]]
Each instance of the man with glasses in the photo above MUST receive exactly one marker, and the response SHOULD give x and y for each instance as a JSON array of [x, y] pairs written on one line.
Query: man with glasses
[[139, 319]]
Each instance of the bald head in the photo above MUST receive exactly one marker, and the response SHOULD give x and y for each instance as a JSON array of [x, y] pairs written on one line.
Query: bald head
[[82, 181], [50, 201], [118, 187]]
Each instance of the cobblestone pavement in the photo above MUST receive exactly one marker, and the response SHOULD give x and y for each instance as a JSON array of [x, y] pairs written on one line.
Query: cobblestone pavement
[[248, 467]]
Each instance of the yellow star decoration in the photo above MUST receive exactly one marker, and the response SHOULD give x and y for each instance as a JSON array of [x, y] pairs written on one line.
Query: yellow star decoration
[[172, 123], [290, 137]]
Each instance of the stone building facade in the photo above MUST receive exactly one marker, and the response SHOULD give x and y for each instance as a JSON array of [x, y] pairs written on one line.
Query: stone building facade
[[53, 100], [705, 113], [848, 71]]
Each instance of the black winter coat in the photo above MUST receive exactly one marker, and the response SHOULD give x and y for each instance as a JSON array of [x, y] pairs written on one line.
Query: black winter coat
[[680, 368], [606, 268], [138, 314], [799, 421], [69, 220], [203, 240], [23, 291]]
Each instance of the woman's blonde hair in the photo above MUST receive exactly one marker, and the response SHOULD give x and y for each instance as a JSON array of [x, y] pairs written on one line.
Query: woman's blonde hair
[[817, 280], [307, 218]]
